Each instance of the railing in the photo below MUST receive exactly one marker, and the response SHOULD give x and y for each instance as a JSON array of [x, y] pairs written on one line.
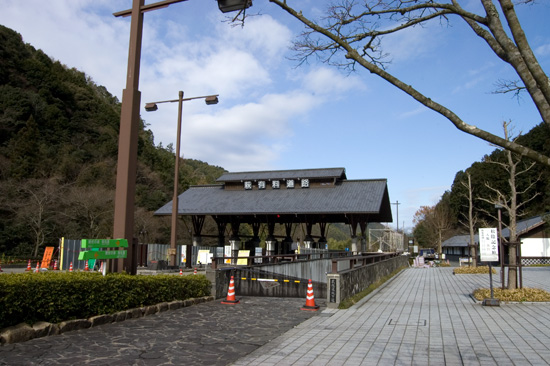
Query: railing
[[363, 260], [276, 259], [336, 257]]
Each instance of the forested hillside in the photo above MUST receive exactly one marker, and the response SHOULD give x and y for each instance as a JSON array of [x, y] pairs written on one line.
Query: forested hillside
[[58, 153], [488, 176]]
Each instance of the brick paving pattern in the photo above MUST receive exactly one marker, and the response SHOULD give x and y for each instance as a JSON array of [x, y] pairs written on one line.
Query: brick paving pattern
[[424, 316]]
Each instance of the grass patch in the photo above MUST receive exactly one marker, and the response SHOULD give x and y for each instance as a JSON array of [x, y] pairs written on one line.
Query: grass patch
[[518, 295], [350, 301], [473, 270]]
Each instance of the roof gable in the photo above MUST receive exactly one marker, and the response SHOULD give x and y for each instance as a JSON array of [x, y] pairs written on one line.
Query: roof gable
[[325, 173]]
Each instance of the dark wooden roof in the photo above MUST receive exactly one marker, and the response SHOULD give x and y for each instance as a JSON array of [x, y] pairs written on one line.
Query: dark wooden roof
[[367, 200]]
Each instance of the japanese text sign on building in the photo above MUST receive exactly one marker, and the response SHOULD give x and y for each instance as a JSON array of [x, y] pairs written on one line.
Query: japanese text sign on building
[[488, 245]]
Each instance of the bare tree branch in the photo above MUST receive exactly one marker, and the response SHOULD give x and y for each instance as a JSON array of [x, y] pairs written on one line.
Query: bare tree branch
[[353, 29]]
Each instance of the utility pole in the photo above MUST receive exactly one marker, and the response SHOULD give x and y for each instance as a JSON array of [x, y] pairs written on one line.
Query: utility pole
[[397, 208]]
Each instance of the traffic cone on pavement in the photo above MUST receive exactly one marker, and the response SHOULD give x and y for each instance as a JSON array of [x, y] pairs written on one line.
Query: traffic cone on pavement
[[181, 272], [86, 267], [71, 267], [310, 299], [28, 266], [55, 265], [195, 272], [230, 299], [37, 267]]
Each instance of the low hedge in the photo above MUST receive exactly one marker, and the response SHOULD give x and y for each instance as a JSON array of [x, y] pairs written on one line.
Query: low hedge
[[58, 296]]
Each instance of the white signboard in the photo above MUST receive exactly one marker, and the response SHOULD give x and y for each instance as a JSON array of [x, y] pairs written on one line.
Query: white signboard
[[488, 245], [204, 257], [227, 253]]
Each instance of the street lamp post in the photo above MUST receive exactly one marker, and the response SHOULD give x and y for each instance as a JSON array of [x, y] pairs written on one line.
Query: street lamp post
[[123, 225], [150, 107]]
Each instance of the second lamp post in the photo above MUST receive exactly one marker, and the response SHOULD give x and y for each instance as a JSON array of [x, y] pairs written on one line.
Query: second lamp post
[[150, 107]]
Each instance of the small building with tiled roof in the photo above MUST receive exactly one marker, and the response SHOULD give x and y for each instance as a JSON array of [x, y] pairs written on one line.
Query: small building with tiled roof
[[285, 197], [534, 234]]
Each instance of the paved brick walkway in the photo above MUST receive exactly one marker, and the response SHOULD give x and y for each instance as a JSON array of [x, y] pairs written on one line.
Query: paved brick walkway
[[422, 317]]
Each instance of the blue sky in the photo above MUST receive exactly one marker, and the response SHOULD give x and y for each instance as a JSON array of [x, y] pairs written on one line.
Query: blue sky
[[275, 114]]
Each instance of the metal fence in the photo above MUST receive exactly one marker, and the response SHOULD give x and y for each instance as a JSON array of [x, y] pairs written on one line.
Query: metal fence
[[70, 249], [385, 240]]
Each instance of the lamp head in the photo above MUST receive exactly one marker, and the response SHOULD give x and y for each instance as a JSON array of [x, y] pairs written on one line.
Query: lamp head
[[233, 5], [151, 107], [212, 99]]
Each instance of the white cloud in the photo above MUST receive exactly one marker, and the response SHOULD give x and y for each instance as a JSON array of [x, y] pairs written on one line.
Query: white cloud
[[242, 137], [70, 33], [543, 50], [329, 82], [261, 35], [410, 44], [421, 109]]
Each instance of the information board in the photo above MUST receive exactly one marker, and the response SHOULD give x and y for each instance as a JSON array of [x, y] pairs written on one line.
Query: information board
[[204, 257], [104, 243], [227, 253], [105, 254], [243, 261], [488, 245]]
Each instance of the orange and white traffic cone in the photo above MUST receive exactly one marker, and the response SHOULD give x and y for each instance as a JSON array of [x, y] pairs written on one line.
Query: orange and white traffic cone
[[101, 267], [195, 272], [230, 299], [71, 267], [37, 267], [86, 267], [181, 272], [310, 299], [29, 266], [55, 265]]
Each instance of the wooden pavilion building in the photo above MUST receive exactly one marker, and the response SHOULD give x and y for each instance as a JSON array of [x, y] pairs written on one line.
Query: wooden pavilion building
[[285, 197]]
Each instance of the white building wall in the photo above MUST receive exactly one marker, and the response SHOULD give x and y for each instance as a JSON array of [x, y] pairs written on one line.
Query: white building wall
[[535, 247]]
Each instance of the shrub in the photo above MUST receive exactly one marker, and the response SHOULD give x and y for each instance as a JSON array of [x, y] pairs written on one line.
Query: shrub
[[517, 295], [57, 296], [473, 270]]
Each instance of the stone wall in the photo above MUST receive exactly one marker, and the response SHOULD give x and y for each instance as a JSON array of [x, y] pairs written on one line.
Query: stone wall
[[347, 283]]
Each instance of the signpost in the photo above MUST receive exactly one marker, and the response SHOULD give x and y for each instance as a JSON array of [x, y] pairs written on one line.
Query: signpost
[[113, 246], [105, 254], [488, 251], [104, 243], [46, 259]]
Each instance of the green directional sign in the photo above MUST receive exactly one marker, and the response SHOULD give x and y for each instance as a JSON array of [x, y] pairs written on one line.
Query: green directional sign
[[104, 243], [104, 254]]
